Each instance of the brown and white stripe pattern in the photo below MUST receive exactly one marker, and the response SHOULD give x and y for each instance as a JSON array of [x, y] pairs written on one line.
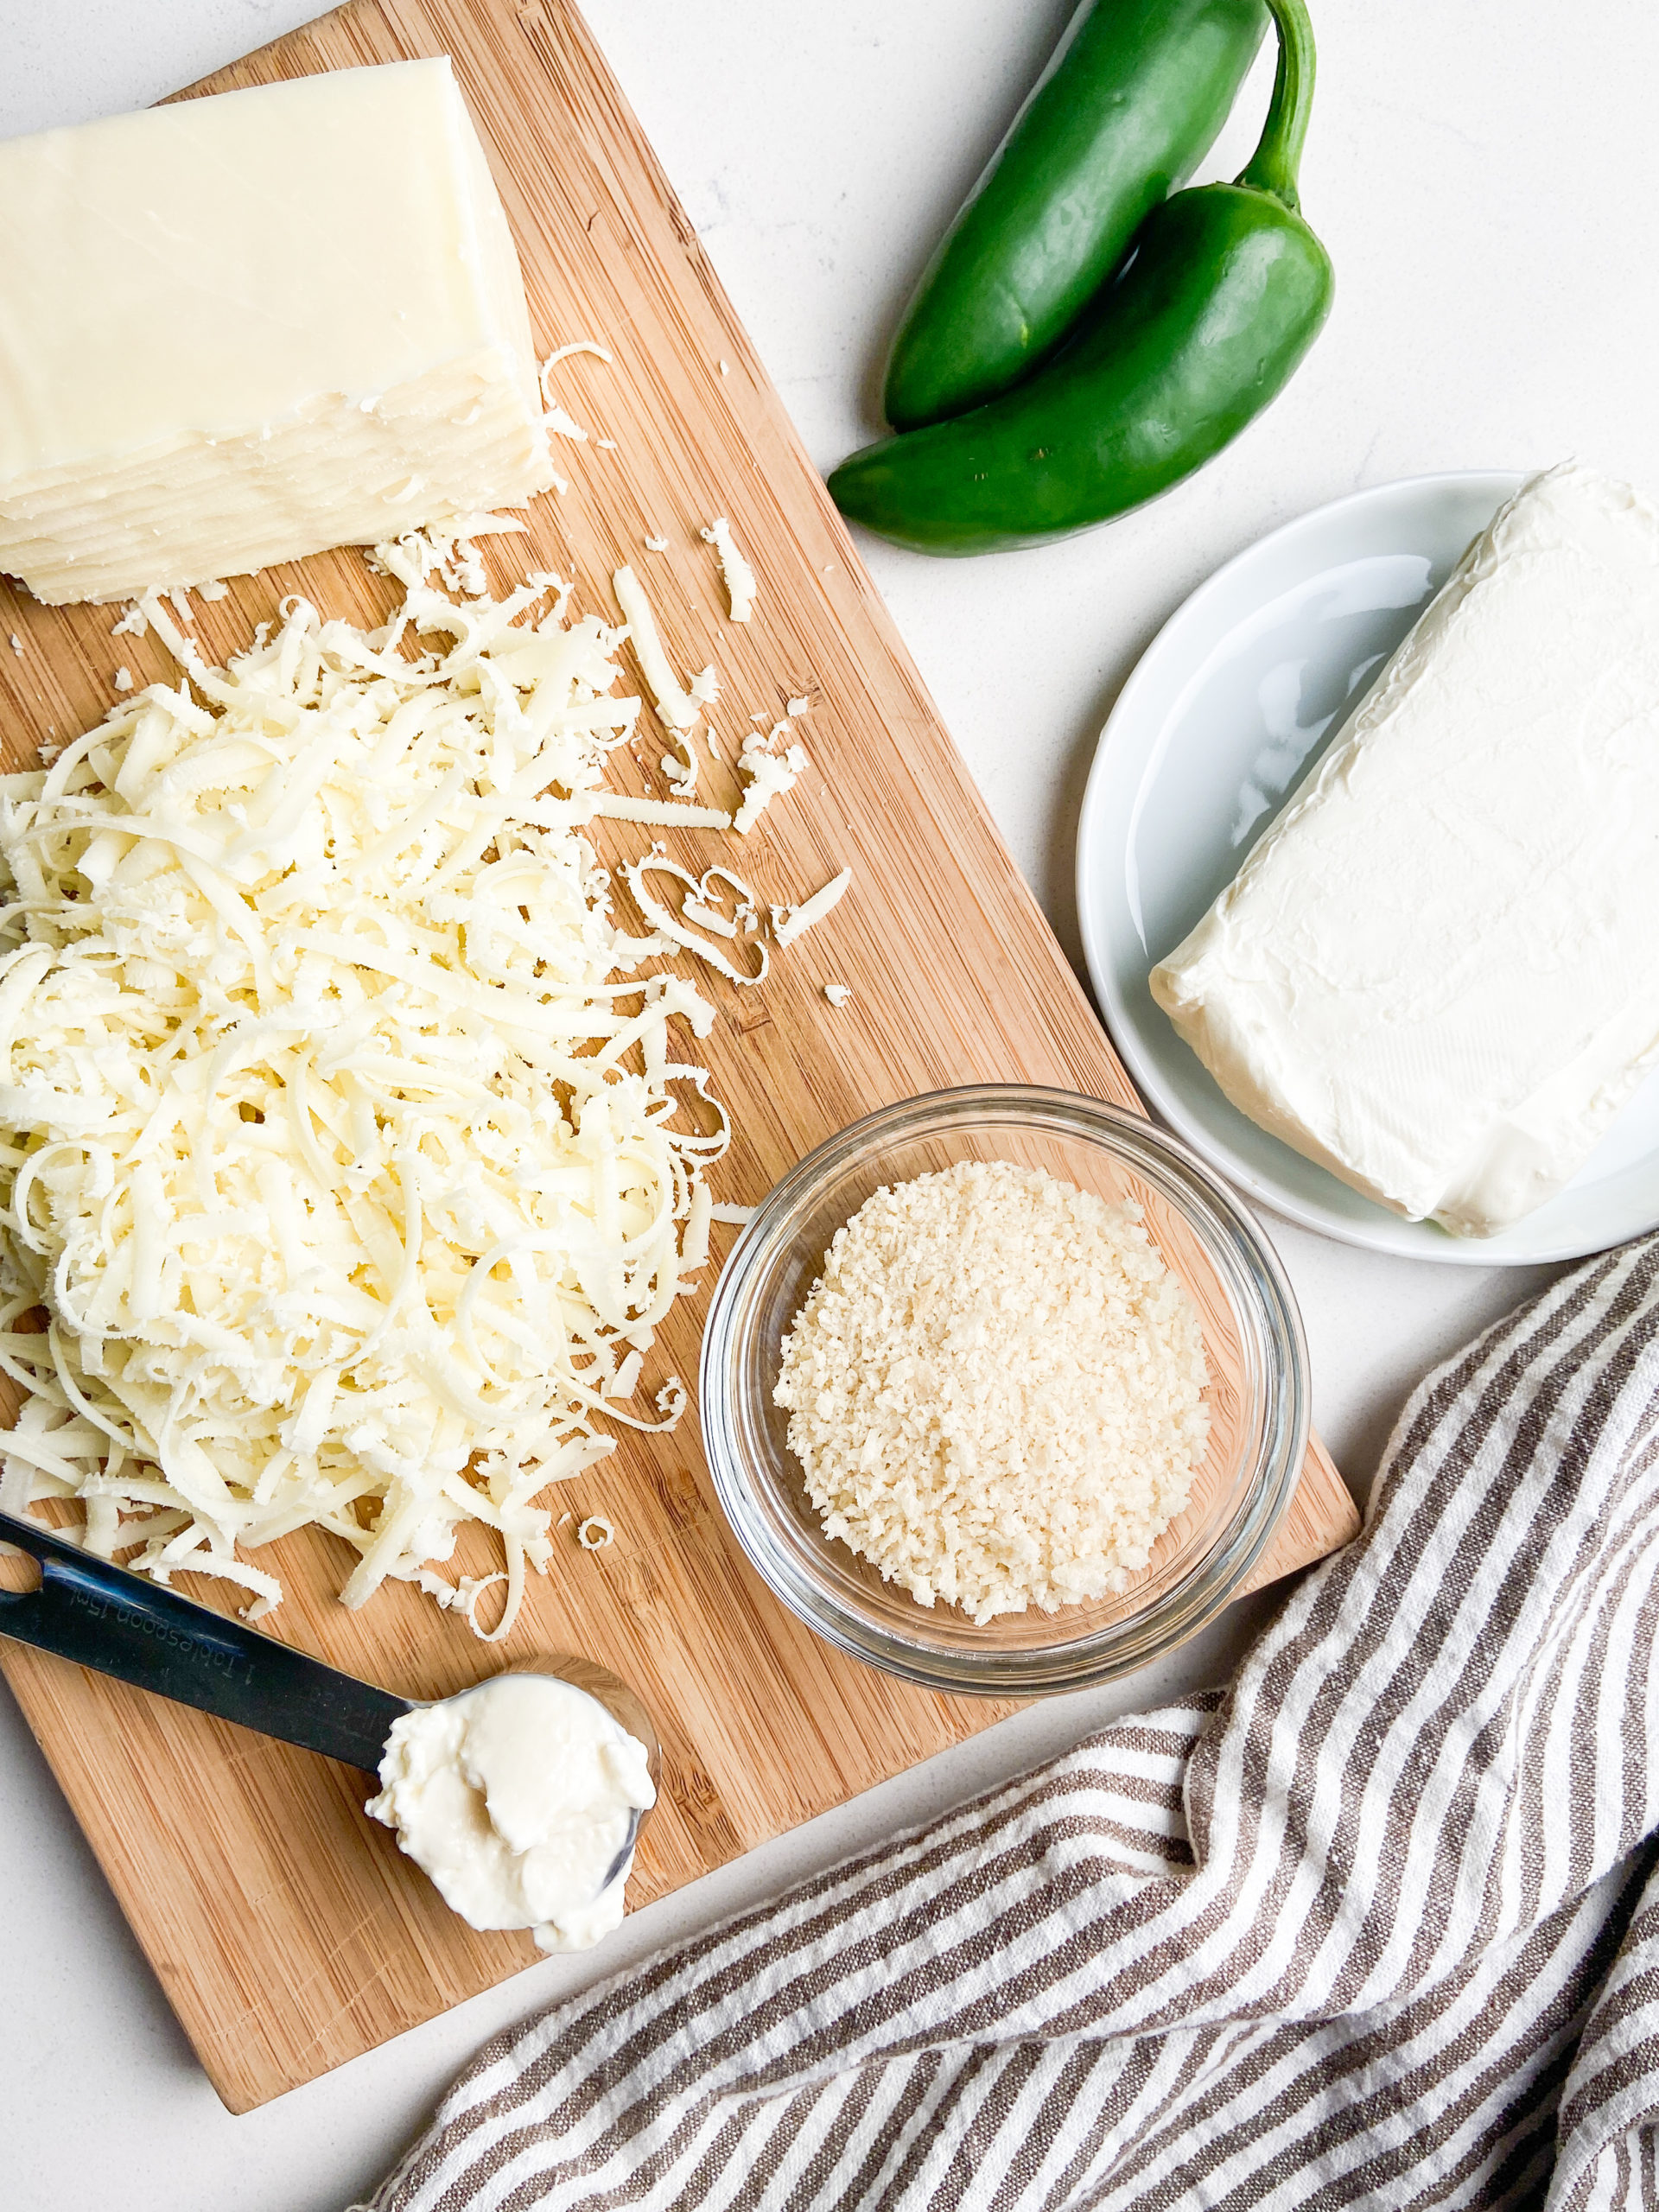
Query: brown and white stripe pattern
[[1379, 1927]]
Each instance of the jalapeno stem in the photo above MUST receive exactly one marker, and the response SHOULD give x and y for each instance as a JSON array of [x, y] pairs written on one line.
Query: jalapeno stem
[[1272, 168]]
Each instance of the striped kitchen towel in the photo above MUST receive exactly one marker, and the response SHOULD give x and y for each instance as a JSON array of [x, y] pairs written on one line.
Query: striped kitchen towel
[[1379, 1926]]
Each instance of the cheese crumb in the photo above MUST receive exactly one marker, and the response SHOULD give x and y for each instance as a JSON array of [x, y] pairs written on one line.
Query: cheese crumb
[[770, 774], [16, 642], [123, 679], [656, 545], [837, 994], [995, 1390], [596, 1533]]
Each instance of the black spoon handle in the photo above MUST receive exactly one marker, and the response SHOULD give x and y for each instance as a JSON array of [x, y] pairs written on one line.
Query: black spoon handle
[[120, 1623]]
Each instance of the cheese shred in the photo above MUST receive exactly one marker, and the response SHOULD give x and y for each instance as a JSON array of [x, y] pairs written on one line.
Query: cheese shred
[[738, 576], [697, 908], [789, 922]]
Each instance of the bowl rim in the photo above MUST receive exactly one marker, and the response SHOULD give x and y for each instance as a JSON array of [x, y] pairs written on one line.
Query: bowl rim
[[1236, 1245]]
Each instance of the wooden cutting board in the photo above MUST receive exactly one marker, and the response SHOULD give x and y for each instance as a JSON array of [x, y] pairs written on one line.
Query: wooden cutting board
[[287, 1930]]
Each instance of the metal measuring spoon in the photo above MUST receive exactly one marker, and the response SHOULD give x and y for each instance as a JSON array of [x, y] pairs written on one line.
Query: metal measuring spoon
[[117, 1622]]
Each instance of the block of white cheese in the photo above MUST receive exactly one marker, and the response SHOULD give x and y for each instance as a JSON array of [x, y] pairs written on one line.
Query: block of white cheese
[[239, 330], [1437, 974]]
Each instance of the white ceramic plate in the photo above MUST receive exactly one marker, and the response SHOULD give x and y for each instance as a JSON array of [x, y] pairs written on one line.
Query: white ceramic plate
[[1240, 692]]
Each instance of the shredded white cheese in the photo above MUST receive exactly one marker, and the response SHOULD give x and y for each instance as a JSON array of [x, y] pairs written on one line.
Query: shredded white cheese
[[666, 813], [995, 1390], [837, 994], [769, 774], [625, 1379], [577, 345], [679, 707], [596, 1533], [17, 644], [738, 576], [451, 555], [699, 905], [339, 1139], [789, 922], [656, 545], [122, 679], [797, 706], [692, 910], [554, 416]]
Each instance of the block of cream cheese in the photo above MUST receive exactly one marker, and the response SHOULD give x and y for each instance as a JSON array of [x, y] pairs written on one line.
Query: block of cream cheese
[[239, 329], [1437, 974]]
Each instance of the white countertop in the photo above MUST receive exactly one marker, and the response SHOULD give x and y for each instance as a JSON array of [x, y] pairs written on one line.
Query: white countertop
[[1486, 180]]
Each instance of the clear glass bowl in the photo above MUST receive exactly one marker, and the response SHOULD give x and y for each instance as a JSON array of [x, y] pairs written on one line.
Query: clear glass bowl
[[1257, 1393]]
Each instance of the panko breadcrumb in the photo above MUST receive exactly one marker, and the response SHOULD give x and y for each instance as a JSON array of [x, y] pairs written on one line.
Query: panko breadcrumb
[[995, 1390]]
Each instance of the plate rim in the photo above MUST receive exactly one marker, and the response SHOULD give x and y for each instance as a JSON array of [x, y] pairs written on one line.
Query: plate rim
[[1388, 1233]]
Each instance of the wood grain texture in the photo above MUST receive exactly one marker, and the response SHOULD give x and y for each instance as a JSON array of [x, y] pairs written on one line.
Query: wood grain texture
[[287, 1931]]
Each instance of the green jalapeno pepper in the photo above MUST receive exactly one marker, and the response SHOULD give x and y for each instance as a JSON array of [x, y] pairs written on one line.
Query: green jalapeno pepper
[[1124, 113], [1224, 290]]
